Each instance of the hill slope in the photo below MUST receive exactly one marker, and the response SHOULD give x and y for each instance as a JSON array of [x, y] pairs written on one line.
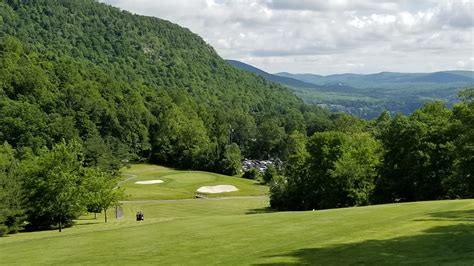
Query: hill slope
[[229, 232], [130, 85], [287, 81]]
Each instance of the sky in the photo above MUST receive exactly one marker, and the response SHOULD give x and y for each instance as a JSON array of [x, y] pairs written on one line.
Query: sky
[[328, 36]]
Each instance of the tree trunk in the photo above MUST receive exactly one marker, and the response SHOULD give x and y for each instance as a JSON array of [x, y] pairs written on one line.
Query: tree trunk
[[105, 215], [60, 224], [95, 215]]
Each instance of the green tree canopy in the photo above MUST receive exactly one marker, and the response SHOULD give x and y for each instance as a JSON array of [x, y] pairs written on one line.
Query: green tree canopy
[[54, 185], [11, 191]]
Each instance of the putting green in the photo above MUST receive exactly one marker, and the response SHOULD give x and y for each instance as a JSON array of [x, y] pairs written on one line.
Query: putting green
[[179, 184], [193, 178]]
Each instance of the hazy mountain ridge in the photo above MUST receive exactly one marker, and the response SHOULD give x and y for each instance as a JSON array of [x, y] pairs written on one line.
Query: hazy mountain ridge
[[367, 95], [453, 78], [287, 81], [275, 78]]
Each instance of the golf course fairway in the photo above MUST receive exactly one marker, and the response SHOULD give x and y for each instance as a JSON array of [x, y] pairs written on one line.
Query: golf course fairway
[[179, 184], [242, 231]]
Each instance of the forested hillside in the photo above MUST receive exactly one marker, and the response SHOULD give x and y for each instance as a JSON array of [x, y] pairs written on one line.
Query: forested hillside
[[133, 86], [86, 87]]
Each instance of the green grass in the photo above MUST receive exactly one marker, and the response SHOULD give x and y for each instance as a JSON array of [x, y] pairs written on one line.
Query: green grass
[[179, 184], [241, 231]]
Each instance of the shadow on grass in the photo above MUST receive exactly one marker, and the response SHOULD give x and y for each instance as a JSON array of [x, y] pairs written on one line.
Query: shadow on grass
[[260, 210], [461, 216], [257, 182], [452, 244], [88, 223], [91, 218]]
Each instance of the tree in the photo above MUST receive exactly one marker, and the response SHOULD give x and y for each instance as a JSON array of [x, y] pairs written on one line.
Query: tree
[[11, 192], [269, 174], [418, 155], [270, 138], [54, 183], [102, 191], [179, 138], [243, 130], [294, 121], [334, 170], [320, 189], [461, 183], [106, 153], [349, 123], [381, 124], [357, 169], [295, 152], [231, 162], [252, 173], [281, 194]]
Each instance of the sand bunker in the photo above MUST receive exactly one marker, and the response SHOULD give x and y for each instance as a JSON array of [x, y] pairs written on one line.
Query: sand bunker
[[149, 182], [217, 189]]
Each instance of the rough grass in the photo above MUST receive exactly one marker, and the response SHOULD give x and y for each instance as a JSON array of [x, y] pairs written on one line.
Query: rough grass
[[241, 231], [179, 184]]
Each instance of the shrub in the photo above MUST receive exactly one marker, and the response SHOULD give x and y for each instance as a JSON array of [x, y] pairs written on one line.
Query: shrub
[[253, 174], [269, 174], [3, 230]]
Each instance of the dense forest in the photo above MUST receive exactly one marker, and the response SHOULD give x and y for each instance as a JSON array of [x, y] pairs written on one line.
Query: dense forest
[[122, 87], [428, 155], [86, 88], [138, 86]]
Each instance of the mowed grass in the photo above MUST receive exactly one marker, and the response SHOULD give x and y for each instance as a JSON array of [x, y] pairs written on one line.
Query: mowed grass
[[242, 232], [179, 184]]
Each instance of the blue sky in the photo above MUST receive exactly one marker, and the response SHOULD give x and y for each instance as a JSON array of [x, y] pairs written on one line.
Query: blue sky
[[326, 37]]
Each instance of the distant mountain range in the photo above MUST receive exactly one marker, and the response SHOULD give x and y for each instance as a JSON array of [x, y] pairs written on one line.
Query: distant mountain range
[[285, 78], [386, 78], [288, 81], [367, 95]]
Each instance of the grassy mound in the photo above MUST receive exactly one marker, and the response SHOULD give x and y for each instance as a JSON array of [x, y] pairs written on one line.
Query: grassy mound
[[240, 231], [179, 184]]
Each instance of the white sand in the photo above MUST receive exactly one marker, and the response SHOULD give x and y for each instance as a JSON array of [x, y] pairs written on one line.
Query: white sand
[[149, 182], [217, 189]]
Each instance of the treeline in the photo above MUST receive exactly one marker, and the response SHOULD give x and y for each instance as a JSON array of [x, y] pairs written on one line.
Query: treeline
[[52, 188], [428, 155]]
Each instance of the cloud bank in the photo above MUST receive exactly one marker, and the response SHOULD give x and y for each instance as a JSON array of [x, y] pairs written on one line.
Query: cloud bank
[[325, 37]]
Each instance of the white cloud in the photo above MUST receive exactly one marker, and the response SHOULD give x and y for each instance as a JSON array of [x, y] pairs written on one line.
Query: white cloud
[[327, 36]]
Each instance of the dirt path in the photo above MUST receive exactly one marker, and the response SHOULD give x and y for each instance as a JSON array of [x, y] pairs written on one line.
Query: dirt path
[[130, 177]]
